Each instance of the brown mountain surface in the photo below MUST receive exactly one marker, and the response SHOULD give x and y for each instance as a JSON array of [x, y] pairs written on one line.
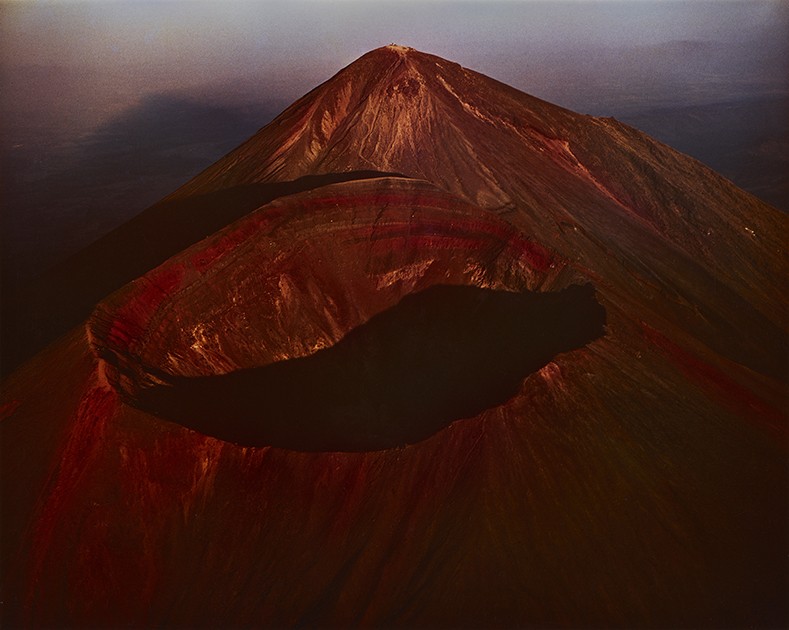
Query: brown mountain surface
[[650, 219], [536, 380]]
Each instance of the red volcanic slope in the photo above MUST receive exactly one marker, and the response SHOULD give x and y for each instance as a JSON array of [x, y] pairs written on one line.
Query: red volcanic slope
[[637, 481], [656, 223]]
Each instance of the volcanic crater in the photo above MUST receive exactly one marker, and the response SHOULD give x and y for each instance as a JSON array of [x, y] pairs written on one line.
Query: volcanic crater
[[365, 315]]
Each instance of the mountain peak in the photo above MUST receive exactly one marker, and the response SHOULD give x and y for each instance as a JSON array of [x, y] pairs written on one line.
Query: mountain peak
[[395, 109], [387, 63], [403, 50]]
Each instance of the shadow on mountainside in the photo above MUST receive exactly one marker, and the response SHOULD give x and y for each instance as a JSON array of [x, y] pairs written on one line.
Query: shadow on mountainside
[[66, 183], [445, 353]]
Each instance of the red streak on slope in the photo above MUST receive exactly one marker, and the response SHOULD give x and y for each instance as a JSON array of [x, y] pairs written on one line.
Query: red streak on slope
[[377, 199], [473, 233], [535, 254], [132, 318], [8, 409], [215, 250], [719, 386], [83, 446]]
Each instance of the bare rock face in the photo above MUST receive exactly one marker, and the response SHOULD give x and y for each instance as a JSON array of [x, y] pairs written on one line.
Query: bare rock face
[[536, 379]]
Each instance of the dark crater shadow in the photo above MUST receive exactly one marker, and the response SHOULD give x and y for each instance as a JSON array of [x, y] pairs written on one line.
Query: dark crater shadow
[[445, 353]]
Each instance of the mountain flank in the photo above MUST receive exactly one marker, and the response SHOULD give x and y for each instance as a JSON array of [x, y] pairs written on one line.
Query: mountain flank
[[425, 351]]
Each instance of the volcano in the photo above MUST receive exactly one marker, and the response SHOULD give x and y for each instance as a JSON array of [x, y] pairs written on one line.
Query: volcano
[[425, 351]]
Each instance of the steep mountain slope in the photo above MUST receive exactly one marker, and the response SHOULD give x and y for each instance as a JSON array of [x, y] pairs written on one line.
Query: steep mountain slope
[[536, 380], [593, 189]]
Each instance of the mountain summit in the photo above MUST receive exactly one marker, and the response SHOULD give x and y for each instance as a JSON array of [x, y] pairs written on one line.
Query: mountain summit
[[424, 351], [595, 190], [400, 110]]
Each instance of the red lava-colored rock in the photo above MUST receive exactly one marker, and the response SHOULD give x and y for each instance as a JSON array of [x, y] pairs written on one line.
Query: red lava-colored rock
[[631, 476]]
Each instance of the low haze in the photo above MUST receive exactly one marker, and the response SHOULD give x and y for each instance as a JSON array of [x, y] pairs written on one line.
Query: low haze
[[183, 45]]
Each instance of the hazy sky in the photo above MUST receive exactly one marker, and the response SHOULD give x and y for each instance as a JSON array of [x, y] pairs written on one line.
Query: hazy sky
[[228, 33], [68, 68], [171, 44]]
